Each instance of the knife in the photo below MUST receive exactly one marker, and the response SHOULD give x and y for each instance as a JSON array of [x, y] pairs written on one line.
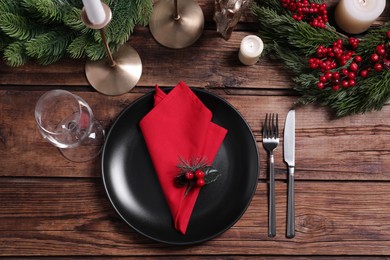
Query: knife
[[289, 158]]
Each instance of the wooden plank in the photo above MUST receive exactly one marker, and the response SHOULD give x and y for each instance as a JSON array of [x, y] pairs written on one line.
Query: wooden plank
[[343, 149], [44, 217]]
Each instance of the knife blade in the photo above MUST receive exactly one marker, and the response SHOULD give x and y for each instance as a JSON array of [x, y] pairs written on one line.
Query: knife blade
[[289, 158]]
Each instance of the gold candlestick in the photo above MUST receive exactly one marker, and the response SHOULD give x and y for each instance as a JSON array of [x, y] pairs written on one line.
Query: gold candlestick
[[176, 25], [121, 72]]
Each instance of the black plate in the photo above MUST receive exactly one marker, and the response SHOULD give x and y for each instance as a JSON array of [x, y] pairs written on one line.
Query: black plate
[[134, 191]]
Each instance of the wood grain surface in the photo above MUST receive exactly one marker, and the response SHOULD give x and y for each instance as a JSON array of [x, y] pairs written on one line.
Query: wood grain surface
[[51, 207]]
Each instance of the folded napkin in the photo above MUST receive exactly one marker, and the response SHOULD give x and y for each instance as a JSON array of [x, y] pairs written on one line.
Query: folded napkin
[[179, 126]]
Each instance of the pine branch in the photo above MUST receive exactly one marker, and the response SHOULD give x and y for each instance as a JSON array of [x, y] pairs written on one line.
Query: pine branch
[[52, 43], [73, 21], [32, 21], [46, 10], [77, 48], [14, 54], [294, 42], [18, 27]]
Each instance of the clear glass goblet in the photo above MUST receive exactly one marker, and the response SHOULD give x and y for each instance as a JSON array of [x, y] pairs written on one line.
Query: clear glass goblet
[[67, 121]]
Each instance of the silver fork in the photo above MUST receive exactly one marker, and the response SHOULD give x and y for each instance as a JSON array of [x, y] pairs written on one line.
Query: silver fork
[[270, 142]]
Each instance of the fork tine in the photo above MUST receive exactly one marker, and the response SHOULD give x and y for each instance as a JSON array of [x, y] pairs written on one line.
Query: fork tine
[[272, 123]]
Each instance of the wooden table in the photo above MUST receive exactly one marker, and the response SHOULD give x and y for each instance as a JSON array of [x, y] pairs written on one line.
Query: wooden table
[[52, 207]]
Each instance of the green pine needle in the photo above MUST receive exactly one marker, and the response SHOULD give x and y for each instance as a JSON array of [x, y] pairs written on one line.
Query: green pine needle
[[18, 27], [32, 21], [46, 10], [294, 42], [51, 43], [14, 54]]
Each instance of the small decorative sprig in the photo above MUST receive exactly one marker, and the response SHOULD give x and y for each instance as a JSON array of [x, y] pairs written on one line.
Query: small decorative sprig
[[195, 173]]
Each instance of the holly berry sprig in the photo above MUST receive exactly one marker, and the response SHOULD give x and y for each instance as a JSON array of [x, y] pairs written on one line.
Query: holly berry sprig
[[313, 13], [340, 66], [195, 173]]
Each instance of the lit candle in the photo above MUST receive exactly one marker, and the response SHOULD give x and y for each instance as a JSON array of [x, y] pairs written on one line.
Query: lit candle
[[95, 11], [356, 16], [250, 49]]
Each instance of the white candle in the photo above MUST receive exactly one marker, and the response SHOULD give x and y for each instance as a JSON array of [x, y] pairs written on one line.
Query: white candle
[[250, 49], [356, 16], [95, 11]]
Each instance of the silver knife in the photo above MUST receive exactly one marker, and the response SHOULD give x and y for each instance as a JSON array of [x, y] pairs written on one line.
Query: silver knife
[[289, 158]]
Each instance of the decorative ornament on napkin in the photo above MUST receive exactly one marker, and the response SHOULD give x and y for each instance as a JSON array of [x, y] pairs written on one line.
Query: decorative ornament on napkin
[[177, 129]]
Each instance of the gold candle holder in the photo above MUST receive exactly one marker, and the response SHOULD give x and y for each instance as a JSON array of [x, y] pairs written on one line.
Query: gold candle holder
[[176, 25], [120, 71]]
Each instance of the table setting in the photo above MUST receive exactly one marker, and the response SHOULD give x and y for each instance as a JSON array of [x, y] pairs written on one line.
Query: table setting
[[262, 131]]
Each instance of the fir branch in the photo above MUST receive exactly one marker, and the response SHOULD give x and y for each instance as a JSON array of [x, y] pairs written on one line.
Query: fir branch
[[14, 54], [73, 21], [46, 60], [7, 6], [18, 27], [77, 47], [294, 42], [46, 10], [374, 37], [52, 43], [370, 94], [32, 21], [95, 51]]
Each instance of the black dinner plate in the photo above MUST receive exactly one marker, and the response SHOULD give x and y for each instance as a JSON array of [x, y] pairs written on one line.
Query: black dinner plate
[[133, 188]]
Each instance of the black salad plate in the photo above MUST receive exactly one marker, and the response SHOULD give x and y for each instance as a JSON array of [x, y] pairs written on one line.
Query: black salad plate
[[133, 188]]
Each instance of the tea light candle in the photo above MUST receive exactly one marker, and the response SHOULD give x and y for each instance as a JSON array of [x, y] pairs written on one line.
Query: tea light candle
[[250, 49], [356, 16], [95, 11]]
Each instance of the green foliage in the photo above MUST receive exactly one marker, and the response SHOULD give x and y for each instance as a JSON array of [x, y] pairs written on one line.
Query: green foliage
[[15, 54], [294, 42], [47, 30]]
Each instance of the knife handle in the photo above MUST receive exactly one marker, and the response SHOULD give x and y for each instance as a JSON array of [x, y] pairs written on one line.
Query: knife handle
[[290, 206], [271, 203]]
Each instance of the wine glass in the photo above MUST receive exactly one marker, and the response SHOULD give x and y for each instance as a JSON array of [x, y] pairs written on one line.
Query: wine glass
[[67, 121]]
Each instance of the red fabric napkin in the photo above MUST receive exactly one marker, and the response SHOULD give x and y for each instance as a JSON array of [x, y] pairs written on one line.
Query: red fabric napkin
[[179, 126]]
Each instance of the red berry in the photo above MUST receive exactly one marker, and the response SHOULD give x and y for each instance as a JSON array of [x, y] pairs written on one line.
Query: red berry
[[336, 75], [345, 84], [328, 75], [322, 79], [351, 82], [364, 73], [189, 175], [374, 57], [335, 87], [200, 182], [388, 34], [353, 66], [378, 67], [199, 174], [351, 75], [358, 58], [380, 49], [320, 85]]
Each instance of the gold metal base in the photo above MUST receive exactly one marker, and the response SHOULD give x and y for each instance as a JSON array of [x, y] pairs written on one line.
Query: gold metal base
[[117, 79], [179, 32]]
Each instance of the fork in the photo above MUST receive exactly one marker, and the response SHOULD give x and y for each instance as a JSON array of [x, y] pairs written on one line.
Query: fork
[[270, 142]]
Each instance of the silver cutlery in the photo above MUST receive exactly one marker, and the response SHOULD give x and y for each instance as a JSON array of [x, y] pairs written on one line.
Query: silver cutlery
[[270, 142], [289, 158]]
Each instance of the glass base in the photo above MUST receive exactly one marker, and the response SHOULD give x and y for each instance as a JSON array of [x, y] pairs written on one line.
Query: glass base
[[89, 149]]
